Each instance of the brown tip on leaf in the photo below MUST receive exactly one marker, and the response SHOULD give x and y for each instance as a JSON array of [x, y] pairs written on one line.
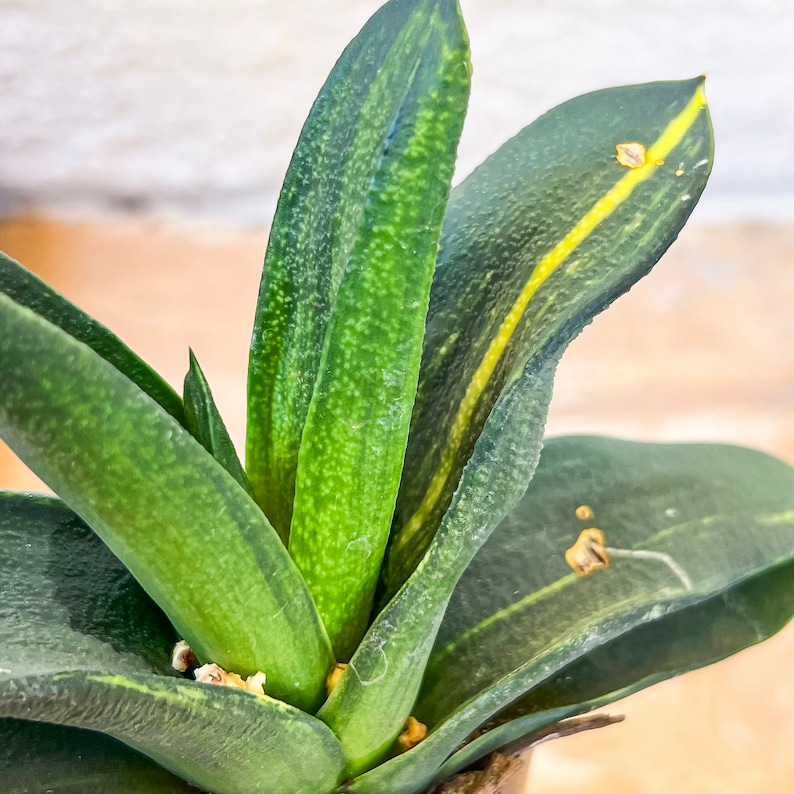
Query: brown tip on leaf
[[183, 658], [216, 675], [588, 553], [413, 733], [585, 513], [631, 154], [334, 675]]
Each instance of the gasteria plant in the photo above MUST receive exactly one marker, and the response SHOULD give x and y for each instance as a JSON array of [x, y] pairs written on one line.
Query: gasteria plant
[[413, 601]]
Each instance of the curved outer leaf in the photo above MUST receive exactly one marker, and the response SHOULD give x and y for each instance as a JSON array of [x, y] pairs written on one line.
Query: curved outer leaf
[[205, 424], [315, 229], [412, 772], [29, 290], [50, 758], [354, 439], [186, 530], [506, 737], [686, 521], [223, 740], [521, 622], [743, 615], [377, 691], [539, 239], [81, 646]]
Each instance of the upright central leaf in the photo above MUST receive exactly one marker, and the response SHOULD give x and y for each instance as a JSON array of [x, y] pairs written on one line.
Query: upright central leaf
[[318, 222], [356, 430], [368, 276]]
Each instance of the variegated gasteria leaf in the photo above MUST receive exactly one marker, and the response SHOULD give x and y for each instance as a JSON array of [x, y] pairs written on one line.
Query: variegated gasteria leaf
[[542, 236]]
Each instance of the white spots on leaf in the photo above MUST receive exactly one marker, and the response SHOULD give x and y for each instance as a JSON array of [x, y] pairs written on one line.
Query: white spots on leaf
[[655, 612], [671, 512], [700, 163]]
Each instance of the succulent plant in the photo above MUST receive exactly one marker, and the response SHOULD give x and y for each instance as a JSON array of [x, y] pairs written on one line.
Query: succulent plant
[[385, 594]]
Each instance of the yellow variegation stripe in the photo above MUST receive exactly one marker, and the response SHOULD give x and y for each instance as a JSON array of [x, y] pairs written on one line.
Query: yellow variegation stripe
[[672, 135]]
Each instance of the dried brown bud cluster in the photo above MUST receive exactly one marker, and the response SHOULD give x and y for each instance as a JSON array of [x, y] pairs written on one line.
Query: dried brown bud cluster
[[183, 658], [215, 674], [588, 553]]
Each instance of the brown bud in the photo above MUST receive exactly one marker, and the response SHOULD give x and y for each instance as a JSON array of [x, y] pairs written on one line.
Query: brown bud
[[216, 675], [334, 675], [182, 657], [413, 733], [588, 553]]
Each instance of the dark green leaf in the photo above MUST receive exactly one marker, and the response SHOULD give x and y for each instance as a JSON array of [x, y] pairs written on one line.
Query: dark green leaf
[[81, 644], [684, 522], [36, 758], [315, 231], [353, 442], [413, 772], [67, 601], [522, 627], [186, 530], [223, 740], [205, 423], [541, 237], [746, 614], [28, 290]]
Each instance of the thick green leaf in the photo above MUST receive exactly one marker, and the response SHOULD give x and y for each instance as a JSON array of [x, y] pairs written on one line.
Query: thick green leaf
[[316, 228], [29, 290], [377, 691], [354, 439], [186, 530], [686, 522], [746, 614], [541, 237], [223, 740], [513, 736], [81, 644], [36, 758], [205, 424], [521, 627]]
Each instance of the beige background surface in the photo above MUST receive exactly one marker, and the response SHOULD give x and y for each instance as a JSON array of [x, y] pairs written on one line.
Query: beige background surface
[[194, 106], [701, 349]]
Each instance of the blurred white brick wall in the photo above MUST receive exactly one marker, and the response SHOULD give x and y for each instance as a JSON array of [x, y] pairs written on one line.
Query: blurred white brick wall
[[193, 106]]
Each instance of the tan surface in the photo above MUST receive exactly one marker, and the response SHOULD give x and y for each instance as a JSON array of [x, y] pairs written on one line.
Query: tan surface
[[702, 349]]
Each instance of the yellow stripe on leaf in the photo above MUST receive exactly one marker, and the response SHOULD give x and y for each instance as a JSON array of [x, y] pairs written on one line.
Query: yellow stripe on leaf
[[672, 135]]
